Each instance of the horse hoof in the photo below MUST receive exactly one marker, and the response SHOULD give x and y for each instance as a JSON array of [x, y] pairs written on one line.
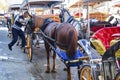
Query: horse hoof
[[47, 71], [65, 69], [54, 71]]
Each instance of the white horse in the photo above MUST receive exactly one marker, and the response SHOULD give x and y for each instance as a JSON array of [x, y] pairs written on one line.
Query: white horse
[[66, 17]]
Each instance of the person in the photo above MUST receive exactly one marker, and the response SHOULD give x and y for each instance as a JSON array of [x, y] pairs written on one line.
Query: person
[[16, 30]]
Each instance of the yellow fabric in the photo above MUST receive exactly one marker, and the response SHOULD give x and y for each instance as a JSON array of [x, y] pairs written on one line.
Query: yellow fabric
[[12, 21], [112, 42], [99, 46]]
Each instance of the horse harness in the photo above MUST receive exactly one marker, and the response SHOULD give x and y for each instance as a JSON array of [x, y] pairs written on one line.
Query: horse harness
[[46, 22], [47, 35]]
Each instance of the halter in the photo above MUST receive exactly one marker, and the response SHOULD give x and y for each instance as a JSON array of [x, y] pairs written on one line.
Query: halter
[[30, 25], [31, 21], [61, 16]]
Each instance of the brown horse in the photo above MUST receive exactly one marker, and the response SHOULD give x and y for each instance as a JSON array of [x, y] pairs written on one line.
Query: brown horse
[[65, 37]]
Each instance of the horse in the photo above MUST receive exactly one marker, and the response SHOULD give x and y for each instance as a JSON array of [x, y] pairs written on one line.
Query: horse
[[56, 35], [65, 16]]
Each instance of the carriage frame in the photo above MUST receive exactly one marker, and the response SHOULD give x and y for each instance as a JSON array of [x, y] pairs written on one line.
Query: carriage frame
[[91, 66]]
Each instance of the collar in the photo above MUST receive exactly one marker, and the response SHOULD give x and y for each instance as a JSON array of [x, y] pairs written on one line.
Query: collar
[[46, 22]]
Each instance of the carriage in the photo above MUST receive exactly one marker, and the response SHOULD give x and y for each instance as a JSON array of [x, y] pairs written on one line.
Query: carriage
[[108, 47], [33, 38], [102, 67], [91, 66]]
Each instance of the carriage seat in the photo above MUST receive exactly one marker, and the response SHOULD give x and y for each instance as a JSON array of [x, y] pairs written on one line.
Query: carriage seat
[[101, 39], [64, 57]]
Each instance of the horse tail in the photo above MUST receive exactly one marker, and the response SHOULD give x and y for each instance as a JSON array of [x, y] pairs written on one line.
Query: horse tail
[[72, 42]]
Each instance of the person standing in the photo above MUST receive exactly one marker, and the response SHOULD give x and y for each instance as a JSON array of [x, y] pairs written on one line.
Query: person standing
[[16, 30]]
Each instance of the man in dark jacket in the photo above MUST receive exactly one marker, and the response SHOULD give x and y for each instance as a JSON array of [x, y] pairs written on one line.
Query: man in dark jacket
[[16, 30]]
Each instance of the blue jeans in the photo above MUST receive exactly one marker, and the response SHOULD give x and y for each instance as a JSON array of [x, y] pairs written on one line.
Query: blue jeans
[[16, 33]]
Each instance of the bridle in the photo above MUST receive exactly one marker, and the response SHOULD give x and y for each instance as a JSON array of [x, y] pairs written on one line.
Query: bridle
[[32, 18], [61, 16]]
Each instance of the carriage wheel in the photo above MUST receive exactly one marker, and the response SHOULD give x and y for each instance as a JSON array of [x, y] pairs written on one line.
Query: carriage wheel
[[85, 73], [117, 77], [29, 48]]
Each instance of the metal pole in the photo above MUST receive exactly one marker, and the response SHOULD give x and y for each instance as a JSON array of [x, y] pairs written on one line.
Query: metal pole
[[28, 5], [78, 9], [88, 27]]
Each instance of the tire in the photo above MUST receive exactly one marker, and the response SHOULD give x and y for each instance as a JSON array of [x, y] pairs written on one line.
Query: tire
[[29, 48], [117, 77], [85, 73]]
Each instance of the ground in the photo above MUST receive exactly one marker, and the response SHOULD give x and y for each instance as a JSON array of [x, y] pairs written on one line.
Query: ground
[[15, 64]]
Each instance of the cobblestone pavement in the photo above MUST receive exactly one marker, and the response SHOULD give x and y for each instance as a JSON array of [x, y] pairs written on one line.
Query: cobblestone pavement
[[15, 66]]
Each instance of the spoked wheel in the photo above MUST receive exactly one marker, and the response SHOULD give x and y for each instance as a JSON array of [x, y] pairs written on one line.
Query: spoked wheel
[[29, 48], [85, 73], [117, 77]]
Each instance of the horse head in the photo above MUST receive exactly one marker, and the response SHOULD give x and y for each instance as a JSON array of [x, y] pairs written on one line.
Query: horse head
[[64, 15], [35, 22]]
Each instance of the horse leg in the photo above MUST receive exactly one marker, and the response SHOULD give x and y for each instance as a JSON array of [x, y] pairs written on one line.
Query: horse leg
[[68, 73], [48, 57], [54, 63]]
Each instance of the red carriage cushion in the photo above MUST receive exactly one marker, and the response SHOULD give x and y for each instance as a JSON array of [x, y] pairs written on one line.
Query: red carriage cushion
[[105, 35]]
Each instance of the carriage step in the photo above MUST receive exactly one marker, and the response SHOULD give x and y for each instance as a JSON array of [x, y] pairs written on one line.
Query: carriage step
[[78, 60]]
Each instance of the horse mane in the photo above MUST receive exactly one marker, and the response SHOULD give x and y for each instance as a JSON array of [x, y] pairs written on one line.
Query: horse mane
[[68, 36]]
